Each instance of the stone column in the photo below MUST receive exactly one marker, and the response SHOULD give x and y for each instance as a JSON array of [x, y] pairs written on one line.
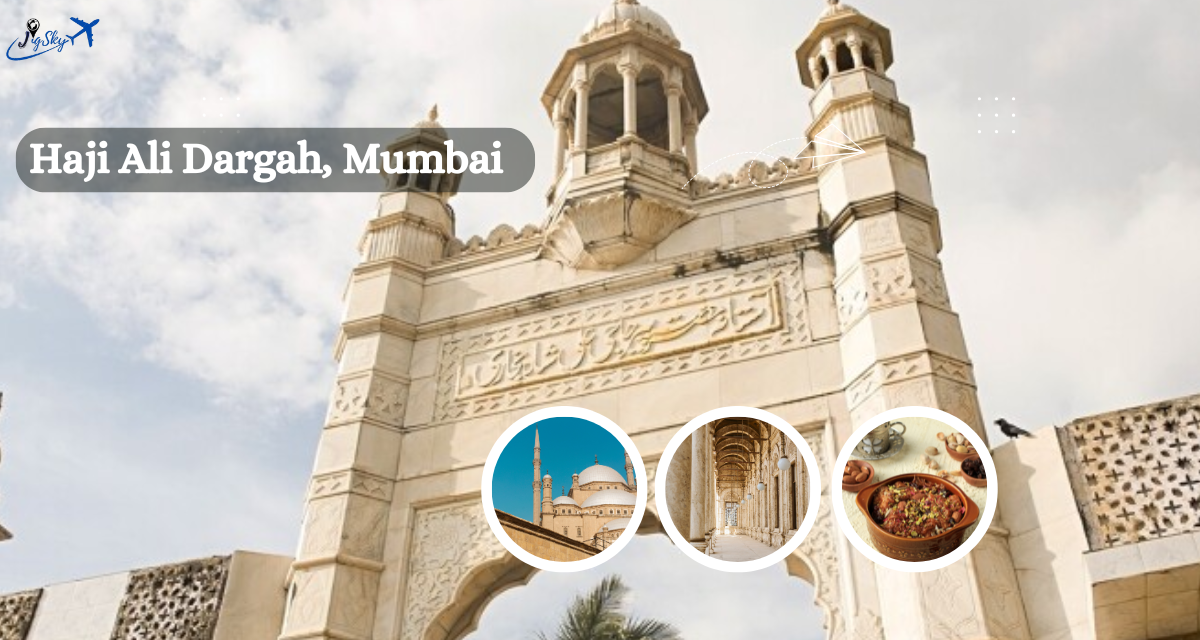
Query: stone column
[[690, 129], [829, 54], [675, 118], [855, 44], [814, 69], [715, 508], [560, 138], [581, 115], [696, 530], [877, 54], [629, 73]]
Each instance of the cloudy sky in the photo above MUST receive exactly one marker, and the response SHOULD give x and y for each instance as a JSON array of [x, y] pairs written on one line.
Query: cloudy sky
[[165, 358]]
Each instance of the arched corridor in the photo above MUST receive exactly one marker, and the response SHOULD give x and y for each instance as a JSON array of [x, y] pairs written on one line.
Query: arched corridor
[[737, 489]]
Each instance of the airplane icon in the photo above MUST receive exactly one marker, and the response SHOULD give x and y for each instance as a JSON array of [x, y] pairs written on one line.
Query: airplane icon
[[87, 28]]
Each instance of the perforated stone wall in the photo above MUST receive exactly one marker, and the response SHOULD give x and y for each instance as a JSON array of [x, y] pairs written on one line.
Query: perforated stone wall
[[1136, 472], [16, 614], [173, 602]]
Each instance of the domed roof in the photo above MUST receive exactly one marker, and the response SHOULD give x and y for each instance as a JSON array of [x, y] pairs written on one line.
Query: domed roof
[[600, 473], [622, 14], [610, 496], [616, 525], [566, 500]]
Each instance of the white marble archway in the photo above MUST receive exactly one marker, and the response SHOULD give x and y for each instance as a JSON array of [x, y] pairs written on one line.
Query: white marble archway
[[457, 567]]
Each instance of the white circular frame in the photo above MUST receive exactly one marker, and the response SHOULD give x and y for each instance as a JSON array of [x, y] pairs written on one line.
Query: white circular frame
[[489, 506], [981, 527], [810, 516]]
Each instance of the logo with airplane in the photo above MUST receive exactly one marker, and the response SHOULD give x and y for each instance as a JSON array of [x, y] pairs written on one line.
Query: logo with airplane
[[34, 45]]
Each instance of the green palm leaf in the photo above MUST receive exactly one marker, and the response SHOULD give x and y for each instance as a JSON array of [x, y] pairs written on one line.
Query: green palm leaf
[[597, 615]]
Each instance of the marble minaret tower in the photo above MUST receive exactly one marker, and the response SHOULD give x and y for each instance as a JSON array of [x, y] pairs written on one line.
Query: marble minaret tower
[[537, 479]]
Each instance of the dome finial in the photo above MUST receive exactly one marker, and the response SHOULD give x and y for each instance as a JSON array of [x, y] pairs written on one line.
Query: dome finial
[[433, 114]]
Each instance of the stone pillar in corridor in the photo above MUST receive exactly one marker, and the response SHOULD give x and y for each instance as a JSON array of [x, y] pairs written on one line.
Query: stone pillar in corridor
[[696, 527]]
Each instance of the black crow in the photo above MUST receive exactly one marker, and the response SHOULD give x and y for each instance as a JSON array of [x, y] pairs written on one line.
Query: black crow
[[1011, 430]]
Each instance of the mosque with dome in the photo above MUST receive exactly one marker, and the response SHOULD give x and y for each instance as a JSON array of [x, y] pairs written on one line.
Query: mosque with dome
[[597, 507]]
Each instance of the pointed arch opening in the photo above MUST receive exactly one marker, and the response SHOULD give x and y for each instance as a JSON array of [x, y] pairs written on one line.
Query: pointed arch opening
[[792, 582], [652, 115], [845, 59], [606, 108]]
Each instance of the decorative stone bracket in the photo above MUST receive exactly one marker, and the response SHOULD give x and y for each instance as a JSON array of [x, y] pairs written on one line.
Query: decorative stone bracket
[[608, 231]]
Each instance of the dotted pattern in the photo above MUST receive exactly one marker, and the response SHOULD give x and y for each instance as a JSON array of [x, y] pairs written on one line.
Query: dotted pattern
[[996, 117]]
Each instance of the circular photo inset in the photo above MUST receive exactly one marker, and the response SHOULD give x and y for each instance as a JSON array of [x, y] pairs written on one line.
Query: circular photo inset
[[737, 489], [584, 499], [911, 489]]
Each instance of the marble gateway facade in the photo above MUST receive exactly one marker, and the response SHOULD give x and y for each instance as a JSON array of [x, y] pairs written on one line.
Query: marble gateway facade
[[650, 297]]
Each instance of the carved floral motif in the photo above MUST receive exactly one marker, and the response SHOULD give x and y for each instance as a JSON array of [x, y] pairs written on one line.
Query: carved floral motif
[[368, 396], [818, 549], [888, 280], [1003, 609], [447, 543], [950, 612]]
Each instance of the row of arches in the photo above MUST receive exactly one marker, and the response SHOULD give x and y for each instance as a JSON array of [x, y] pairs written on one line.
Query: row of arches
[[621, 99], [846, 52], [759, 498]]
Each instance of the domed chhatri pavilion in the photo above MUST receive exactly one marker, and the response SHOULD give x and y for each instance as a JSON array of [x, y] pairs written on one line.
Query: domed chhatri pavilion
[[597, 507]]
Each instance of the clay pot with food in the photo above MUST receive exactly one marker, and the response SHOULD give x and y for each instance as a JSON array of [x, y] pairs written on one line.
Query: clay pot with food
[[926, 533]]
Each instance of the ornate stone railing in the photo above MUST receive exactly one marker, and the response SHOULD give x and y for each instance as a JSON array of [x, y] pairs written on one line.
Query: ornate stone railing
[[637, 152], [1136, 472]]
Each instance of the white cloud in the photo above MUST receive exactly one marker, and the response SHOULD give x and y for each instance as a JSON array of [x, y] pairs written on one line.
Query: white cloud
[[8, 295], [243, 299], [1084, 317]]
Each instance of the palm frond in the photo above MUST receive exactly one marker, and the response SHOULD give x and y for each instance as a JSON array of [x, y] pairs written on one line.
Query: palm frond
[[649, 630], [597, 615]]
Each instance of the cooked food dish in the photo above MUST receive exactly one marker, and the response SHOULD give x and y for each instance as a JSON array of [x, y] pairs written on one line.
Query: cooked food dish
[[917, 508]]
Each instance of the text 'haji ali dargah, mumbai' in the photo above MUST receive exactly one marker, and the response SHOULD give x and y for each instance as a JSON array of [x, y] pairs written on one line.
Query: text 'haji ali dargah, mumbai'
[[821, 300]]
